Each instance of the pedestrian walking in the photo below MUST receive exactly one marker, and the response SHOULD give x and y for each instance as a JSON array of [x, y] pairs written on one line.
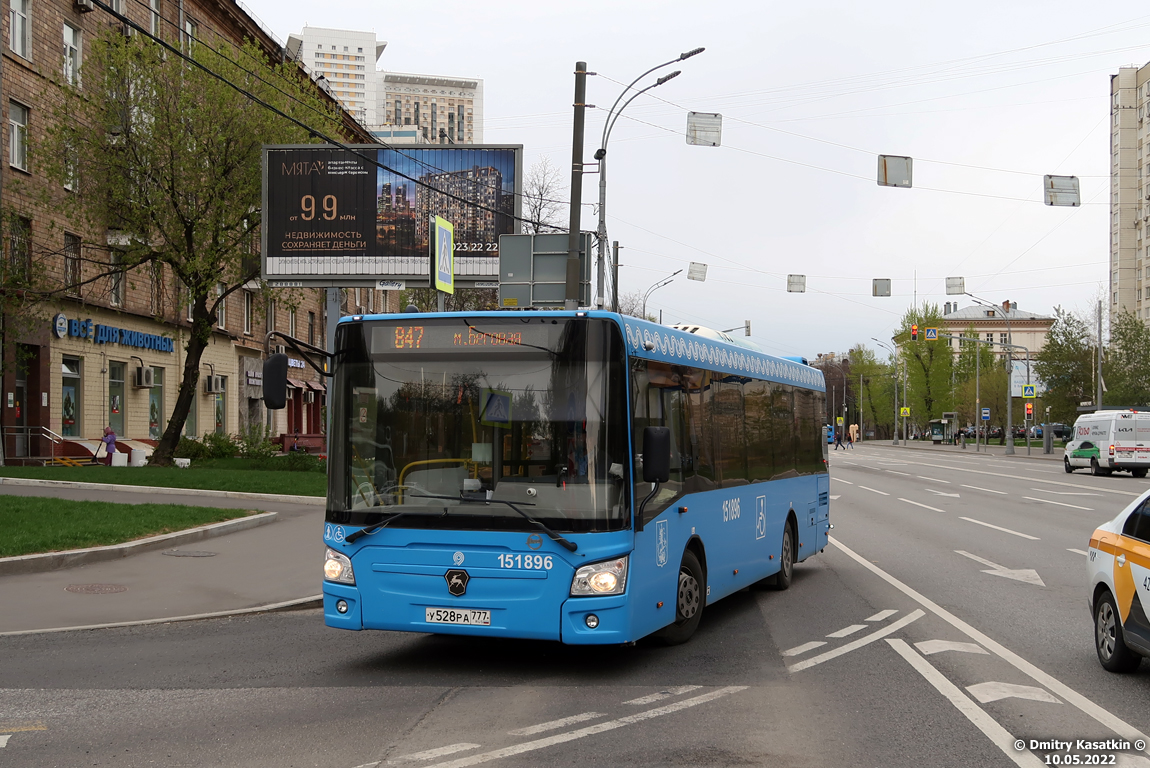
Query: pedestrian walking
[[850, 441], [839, 440], [109, 441]]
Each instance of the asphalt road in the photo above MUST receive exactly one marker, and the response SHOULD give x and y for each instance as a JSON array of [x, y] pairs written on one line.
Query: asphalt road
[[947, 621]]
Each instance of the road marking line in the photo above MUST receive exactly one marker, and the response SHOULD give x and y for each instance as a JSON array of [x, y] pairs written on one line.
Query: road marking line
[[994, 691], [534, 729], [998, 735], [942, 493], [652, 698], [1048, 681], [836, 496], [1059, 483], [840, 480], [924, 506], [932, 479], [855, 644], [978, 559], [591, 730], [847, 630], [4, 740], [1079, 552], [1066, 493], [872, 490], [997, 528], [10, 729], [1059, 503], [988, 490], [798, 650], [896, 472], [431, 754], [883, 615], [931, 647]]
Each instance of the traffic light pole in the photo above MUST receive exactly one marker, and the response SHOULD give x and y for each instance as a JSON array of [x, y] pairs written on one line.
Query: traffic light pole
[[1009, 393]]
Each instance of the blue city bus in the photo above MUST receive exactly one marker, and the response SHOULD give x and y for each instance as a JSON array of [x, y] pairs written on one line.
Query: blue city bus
[[578, 476]]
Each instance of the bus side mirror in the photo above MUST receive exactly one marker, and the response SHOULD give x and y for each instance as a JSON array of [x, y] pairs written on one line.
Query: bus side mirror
[[656, 454], [275, 381]]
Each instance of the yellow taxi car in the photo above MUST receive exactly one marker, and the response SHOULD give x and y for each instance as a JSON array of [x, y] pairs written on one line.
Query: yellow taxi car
[[1119, 567]]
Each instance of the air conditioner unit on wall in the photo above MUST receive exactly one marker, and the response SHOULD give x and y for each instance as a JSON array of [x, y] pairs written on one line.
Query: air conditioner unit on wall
[[84, 6], [213, 385], [281, 349], [145, 377], [309, 397]]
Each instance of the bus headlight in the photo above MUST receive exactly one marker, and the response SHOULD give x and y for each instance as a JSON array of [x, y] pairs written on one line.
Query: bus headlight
[[337, 567], [606, 578]]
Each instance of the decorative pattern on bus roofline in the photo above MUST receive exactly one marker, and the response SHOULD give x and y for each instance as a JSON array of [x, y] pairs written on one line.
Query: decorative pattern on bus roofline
[[681, 347]]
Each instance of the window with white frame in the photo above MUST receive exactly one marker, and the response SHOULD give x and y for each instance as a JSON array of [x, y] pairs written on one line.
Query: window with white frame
[[270, 316], [155, 17], [18, 135], [1002, 338], [221, 307], [72, 55], [18, 27], [116, 292], [249, 308], [291, 323]]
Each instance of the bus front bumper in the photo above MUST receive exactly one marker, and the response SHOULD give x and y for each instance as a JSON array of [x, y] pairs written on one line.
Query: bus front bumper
[[333, 594]]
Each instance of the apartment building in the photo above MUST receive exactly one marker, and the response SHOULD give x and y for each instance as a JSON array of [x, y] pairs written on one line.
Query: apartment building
[[111, 351], [443, 110], [1129, 270], [1005, 324], [343, 61]]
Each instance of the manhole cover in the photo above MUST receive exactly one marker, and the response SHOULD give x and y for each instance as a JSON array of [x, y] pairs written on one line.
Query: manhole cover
[[95, 589], [189, 553]]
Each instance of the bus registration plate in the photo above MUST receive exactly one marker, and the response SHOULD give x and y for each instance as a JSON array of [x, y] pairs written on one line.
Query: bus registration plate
[[458, 616]]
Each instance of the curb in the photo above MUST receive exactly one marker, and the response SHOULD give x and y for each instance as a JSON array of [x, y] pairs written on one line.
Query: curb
[[969, 451], [52, 561], [317, 501], [303, 603]]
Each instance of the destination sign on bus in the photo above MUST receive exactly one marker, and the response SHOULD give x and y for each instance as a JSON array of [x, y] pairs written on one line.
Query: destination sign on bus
[[457, 336], [411, 337]]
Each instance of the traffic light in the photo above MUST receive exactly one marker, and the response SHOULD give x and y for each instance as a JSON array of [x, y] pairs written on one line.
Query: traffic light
[[1029, 410], [914, 332]]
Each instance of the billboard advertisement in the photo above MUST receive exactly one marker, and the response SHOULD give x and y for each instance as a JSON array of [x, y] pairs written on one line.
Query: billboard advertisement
[[362, 216]]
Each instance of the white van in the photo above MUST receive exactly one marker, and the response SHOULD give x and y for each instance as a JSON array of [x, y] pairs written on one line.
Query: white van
[[1108, 441]]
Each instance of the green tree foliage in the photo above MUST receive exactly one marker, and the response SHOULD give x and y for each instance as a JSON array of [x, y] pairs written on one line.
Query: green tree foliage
[[928, 365], [979, 381], [877, 395], [170, 157], [1066, 366], [1126, 370]]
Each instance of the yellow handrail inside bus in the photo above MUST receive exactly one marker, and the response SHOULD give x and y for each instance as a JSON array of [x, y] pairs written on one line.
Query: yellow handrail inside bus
[[472, 468]]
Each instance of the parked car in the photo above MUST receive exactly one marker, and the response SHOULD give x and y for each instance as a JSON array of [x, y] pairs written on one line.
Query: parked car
[[1060, 431], [1116, 438]]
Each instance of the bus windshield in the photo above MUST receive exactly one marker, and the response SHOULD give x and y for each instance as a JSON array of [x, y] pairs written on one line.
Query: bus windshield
[[439, 415]]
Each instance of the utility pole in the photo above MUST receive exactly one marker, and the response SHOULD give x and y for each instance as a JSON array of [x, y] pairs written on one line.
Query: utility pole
[[615, 277], [571, 295], [1098, 400]]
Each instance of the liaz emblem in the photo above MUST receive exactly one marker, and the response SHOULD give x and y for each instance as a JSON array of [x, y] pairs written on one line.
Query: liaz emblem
[[457, 579]]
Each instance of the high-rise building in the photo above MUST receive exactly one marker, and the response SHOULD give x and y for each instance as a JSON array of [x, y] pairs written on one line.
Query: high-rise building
[[429, 109], [345, 60], [1129, 271]]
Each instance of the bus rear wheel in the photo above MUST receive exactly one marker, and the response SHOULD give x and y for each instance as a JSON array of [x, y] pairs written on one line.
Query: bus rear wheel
[[690, 597]]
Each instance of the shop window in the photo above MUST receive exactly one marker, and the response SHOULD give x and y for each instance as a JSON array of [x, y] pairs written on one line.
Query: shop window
[[190, 423], [70, 397], [116, 397], [221, 408], [156, 405]]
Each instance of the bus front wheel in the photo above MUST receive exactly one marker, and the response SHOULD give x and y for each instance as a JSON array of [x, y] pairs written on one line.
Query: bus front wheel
[[782, 579], [690, 597]]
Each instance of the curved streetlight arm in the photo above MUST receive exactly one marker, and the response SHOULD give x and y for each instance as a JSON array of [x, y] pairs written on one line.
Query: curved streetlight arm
[[665, 281], [613, 118], [681, 57]]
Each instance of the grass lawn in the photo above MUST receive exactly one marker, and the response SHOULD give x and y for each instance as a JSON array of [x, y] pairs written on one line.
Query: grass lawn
[[32, 524], [204, 474]]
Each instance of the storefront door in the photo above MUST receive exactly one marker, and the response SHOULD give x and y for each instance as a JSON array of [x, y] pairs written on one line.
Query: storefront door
[[70, 398], [20, 414], [156, 405], [116, 397]]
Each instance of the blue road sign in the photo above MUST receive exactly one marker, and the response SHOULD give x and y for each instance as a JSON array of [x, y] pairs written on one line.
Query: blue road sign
[[986, 414], [1028, 390], [932, 334]]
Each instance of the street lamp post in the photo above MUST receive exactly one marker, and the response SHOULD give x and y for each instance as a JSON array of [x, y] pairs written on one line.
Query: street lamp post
[[894, 428], [601, 156], [1010, 376], [665, 281]]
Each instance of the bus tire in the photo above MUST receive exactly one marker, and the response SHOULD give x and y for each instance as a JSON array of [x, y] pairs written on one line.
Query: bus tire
[[690, 597], [782, 579]]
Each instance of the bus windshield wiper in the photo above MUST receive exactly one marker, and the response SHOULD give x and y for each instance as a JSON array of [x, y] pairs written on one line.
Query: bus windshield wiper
[[567, 544], [351, 537]]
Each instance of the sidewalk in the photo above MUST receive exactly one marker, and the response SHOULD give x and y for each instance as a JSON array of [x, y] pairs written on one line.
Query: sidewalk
[[260, 568], [985, 450]]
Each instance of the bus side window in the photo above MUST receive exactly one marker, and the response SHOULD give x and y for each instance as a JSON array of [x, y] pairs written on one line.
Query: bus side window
[[757, 414], [658, 400], [730, 431]]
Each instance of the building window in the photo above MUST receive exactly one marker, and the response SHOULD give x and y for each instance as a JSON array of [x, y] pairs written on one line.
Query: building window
[[191, 301], [191, 32], [221, 407], [20, 248], [71, 264], [291, 323], [71, 169], [71, 55], [270, 316], [70, 397], [1002, 338], [249, 303], [157, 289], [221, 306], [116, 280], [191, 423], [18, 27], [154, 17], [311, 328], [371, 300], [18, 136]]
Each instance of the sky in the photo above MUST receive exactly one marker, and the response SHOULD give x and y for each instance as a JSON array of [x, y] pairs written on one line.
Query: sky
[[986, 99]]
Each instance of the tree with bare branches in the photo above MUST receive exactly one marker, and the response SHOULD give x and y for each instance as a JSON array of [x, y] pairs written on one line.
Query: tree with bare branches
[[543, 203]]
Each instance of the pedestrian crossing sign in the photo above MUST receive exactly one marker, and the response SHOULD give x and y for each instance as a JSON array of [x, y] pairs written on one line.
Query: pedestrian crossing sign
[[932, 334], [1028, 390], [904, 411], [496, 409]]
